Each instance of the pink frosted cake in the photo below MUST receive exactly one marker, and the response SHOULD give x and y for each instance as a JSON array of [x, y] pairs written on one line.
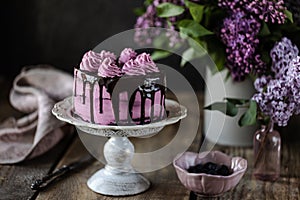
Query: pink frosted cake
[[125, 91]]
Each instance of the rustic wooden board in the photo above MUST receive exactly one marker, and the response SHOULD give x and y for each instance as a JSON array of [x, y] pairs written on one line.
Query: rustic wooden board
[[72, 186], [15, 180]]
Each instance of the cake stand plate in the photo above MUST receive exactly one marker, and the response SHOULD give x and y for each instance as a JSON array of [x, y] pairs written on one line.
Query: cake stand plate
[[118, 178]]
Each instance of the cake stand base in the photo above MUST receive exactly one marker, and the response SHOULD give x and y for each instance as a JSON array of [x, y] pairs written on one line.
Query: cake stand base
[[118, 178], [121, 184]]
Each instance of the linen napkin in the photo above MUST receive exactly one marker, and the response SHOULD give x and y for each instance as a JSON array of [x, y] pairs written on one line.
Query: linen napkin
[[35, 91]]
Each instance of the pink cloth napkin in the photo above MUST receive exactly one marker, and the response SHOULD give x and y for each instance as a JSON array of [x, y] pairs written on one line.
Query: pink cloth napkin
[[35, 91]]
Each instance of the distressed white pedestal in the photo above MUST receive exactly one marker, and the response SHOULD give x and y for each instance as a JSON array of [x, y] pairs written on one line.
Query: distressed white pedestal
[[118, 178]]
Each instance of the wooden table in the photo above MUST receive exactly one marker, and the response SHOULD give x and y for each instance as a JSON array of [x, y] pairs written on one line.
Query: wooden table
[[15, 180]]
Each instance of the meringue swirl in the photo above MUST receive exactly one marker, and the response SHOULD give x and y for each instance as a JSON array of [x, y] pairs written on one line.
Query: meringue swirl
[[107, 54], [132, 68], [126, 55], [105, 63], [146, 63], [91, 60], [108, 68]]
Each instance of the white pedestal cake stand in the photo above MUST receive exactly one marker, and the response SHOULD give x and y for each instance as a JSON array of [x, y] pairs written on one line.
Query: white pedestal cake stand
[[118, 178]]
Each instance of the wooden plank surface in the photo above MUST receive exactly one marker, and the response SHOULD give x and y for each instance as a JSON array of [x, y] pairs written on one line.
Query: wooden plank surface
[[15, 180]]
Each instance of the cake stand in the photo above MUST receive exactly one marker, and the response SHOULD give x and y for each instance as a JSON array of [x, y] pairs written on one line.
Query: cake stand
[[118, 178]]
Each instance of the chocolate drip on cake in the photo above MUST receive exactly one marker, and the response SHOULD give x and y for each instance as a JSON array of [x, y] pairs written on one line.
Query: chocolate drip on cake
[[84, 81], [130, 105], [143, 103], [152, 105], [101, 99], [147, 92], [120, 92], [92, 85]]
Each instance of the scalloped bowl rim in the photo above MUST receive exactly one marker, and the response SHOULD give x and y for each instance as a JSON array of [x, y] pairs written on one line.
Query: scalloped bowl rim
[[238, 172], [204, 174]]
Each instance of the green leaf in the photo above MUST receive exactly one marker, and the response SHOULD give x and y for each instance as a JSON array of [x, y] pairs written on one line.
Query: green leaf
[[237, 101], [289, 15], [197, 46], [139, 11], [264, 31], [196, 10], [169, 10], [189, 4], [197, 13], [202, 43], [188, 55], [218, 56], [216, 51], [225, 107], [156, 55], [228, 76], [147, 2], [192, 28], [265, 56], [249, 117], [195, 51], [169, 23]]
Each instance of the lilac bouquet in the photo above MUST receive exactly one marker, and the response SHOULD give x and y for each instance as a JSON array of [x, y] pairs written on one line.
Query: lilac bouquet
[[254, 39], [278, 96]]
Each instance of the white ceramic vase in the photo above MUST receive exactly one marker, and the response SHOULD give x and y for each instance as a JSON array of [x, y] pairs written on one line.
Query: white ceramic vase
[[219, 128]]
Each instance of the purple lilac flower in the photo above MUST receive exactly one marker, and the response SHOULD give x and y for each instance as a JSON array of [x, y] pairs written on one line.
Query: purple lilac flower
[[144, 36], [293, 79], [263, 103], [282, 53], [149, 19], [277, 89], [239, 34], [282, 112], [266, 10], [261, 82], [276, 102], [279, 96], [294, 72]]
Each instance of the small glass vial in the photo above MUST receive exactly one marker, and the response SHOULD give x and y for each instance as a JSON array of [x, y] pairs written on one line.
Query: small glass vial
[[267, 147]]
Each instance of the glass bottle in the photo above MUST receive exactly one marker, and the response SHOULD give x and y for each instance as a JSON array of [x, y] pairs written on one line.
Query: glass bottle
[[267, 147]]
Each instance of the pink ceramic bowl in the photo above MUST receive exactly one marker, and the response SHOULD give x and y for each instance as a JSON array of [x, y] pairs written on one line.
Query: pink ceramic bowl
[[206, 184]]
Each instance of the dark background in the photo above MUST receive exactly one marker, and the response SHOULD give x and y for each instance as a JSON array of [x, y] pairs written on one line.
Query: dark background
[[58, 32]]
